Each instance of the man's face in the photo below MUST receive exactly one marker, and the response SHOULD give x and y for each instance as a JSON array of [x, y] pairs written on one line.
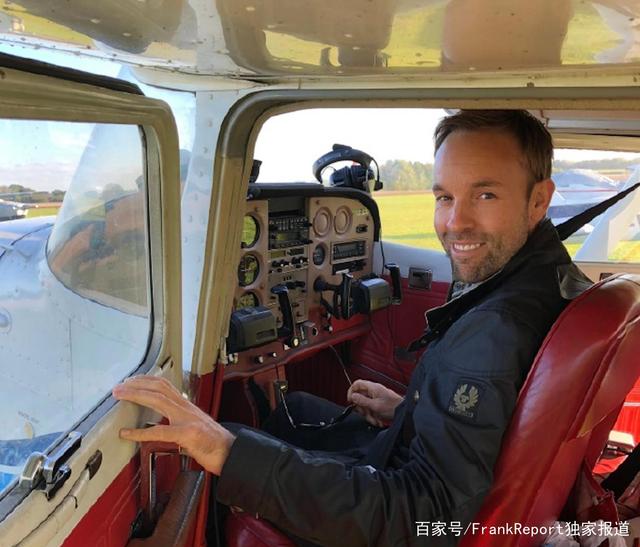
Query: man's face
[[482, 214]]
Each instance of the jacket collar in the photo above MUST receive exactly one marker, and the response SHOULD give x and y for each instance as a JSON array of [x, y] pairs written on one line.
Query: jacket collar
[[543, 246]]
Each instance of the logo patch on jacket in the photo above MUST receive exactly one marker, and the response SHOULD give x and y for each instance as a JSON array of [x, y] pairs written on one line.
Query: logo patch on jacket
[[465, 400]]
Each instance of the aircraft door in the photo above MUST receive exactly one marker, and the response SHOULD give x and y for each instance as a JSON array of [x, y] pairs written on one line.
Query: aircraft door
[[89, 295]]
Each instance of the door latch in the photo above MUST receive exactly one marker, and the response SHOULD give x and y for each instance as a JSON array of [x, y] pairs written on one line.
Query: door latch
[[49, 473]]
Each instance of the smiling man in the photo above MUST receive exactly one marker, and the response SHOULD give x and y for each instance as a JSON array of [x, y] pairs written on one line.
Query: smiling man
[[434, 463], [492, 188]]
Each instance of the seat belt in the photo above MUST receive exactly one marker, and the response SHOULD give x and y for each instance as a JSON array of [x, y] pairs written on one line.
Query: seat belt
[[572, 225]]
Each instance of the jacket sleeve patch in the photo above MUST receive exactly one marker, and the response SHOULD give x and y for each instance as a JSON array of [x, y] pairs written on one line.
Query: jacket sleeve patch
[[465, 399]]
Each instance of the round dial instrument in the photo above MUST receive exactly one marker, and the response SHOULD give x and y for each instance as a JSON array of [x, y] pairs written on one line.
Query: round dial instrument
[[319, 254], [322, 222], [248, 270], [250, 232], [248, 300], [342, 220]]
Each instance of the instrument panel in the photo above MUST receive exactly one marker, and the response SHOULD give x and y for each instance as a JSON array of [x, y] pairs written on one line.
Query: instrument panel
[[292, 241]]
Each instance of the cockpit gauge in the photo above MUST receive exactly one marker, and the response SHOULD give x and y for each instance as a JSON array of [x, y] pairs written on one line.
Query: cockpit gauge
[[322, 222], [342, 220], [248, 300], [319, 254], [250, 232], [248, 270]]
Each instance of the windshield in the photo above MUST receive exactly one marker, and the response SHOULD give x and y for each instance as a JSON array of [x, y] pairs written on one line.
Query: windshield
[[401, 141]]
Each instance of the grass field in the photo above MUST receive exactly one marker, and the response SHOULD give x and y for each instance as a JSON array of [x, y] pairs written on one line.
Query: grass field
[[416, 39], [407, 218], [42, 212]]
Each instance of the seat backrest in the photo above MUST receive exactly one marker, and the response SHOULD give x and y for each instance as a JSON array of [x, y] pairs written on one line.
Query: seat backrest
[[585, 367]]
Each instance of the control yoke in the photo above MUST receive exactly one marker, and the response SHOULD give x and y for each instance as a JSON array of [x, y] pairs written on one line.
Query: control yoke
[[341, 307]]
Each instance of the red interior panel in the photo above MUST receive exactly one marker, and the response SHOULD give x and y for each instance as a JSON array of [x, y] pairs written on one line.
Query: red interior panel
[[237, 404], [108, 523], [396, 327], [244, 530], [629, 418], [321, 375]]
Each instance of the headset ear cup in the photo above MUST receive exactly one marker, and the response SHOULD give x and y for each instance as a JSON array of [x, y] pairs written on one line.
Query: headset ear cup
[[322, 162], [352, 176], [341, 177]]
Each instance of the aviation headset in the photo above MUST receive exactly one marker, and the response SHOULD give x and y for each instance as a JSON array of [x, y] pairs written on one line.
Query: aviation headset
[[360, 175]]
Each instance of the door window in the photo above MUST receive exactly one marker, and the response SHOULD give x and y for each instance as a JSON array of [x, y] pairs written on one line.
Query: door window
[[75, 303], [586, 177]]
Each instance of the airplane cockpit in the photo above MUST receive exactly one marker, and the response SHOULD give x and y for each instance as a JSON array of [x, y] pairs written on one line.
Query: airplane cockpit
[[307, 278]]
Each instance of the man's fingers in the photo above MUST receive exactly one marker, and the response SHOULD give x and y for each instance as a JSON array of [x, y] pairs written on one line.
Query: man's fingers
[[368, 410], [154, 383], [152, 399], [373, 405], [360, 400], [354, 388], [162, 433], [362, 386]]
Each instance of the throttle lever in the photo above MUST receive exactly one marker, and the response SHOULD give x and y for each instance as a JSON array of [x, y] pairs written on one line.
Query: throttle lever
[[394, 271], [345, 295]]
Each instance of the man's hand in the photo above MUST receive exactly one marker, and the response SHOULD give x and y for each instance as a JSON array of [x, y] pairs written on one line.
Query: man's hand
[[374, 401], [199, 435]]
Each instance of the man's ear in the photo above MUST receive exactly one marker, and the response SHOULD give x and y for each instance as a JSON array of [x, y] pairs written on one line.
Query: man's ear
[[539, 201]]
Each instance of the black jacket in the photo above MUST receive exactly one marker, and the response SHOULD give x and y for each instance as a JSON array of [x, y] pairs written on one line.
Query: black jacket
[[435, 462]]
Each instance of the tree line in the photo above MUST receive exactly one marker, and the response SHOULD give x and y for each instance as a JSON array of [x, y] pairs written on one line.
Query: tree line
[[23, 194], [403, 175]]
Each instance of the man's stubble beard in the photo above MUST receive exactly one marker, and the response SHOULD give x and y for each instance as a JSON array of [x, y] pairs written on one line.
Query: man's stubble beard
[[500, 251]]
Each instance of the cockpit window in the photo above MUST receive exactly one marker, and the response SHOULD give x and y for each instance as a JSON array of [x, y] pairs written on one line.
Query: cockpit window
[[75, 301], [401, 141], [584, 178], [289, 144]]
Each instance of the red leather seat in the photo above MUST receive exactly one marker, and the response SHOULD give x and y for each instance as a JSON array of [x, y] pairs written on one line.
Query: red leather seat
[[244, 530], [587, 364]]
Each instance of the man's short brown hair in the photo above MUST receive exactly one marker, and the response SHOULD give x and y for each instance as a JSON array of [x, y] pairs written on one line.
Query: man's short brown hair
[[532, 137]]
